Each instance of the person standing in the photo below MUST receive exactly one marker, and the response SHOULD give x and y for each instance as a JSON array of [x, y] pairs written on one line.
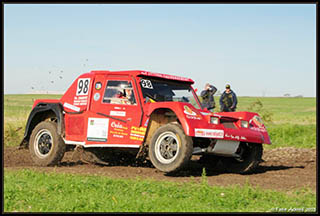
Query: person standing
[[207, 97], [228, 100]]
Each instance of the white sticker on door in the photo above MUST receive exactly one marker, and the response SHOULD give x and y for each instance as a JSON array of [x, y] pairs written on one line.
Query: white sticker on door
[[117, 113], [97, 129]]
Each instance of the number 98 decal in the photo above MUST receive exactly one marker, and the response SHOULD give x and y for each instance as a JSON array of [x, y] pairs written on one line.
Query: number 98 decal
[[83, 86], [146, 84]]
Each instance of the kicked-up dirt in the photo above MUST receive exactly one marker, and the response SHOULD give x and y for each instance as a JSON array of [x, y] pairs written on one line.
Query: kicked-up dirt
[[281, 169]]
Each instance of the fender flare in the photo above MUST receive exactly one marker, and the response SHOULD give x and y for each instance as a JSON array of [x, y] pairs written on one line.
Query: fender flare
[[180, 118], [37, 111]]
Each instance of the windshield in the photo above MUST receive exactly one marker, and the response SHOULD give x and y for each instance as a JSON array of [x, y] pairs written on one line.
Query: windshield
[[162, 90]]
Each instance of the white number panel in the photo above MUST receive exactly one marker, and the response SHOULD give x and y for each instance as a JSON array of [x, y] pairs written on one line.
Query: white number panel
[[146, 84], [83, 86]]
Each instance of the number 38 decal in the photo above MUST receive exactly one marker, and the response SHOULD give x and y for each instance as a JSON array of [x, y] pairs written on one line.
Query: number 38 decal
[[83, 86]]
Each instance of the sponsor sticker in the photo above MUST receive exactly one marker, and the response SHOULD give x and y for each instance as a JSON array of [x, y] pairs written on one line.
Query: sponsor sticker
[[118, 136], [259, 129], [70, 106], [97, 129], [80, 100], [118, 125], [137, 133], [146, 124], [188, 111], [98, 85], [96, 96], [235, 137], [190, 114], [119, 133], [193, 117], [210, 133], [118, 130], [117, 113]]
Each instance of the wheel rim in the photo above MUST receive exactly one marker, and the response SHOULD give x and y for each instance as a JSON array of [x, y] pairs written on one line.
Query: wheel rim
[[167, 147], [43, 143]]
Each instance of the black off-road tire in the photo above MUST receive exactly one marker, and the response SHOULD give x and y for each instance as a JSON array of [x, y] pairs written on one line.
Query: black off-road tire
[[46, 147], [162, 151], [251, 157]]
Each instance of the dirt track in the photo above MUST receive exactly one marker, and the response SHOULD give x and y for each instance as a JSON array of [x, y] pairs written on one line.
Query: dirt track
[[282, 169]]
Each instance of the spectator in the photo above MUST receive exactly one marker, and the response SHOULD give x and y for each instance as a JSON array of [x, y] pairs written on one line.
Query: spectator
[[207, 97], [228, 100]]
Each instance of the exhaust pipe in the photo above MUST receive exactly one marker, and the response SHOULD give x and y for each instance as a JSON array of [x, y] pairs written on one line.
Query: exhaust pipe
[[198, 150]]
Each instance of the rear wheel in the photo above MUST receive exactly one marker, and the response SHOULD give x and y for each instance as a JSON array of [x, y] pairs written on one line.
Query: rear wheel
[[250, 157], [170, 149], [46, 146]]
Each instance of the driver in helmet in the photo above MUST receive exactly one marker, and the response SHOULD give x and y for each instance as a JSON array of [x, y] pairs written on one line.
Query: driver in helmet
[[128, 95]]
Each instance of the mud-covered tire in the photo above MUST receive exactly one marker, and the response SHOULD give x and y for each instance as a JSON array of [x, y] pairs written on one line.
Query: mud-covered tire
[[46, 147], [251, 157], [170, 148]]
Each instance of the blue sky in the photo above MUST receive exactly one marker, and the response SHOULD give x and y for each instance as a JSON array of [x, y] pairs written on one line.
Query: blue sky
[[260, 49]]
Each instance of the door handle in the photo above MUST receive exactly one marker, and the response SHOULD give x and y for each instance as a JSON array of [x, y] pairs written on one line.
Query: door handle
[[129, 119]]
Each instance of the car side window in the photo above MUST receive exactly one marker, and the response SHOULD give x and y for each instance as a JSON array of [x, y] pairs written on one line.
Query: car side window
[[119, 92]]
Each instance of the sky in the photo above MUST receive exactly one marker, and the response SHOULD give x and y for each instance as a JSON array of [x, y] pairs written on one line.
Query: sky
[[259, 49]]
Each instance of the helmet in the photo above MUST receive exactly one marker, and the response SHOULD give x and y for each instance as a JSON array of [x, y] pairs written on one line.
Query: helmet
[[126, 86], [227, 86]]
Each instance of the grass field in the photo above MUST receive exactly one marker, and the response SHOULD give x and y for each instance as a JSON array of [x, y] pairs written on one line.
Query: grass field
[[290, 121], [30, 191]]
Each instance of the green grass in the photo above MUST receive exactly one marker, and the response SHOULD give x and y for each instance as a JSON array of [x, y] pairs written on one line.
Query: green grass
[[284, 110], [292, 135], [293, 119], [31, 191], [19, 106], [16, 111]]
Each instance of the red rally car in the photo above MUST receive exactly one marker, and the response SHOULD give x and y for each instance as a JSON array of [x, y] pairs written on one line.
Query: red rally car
[[155, 113]]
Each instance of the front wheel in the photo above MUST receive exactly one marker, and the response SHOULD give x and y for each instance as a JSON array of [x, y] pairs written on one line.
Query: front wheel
[[250, 155], [170, 149], [46, 146]]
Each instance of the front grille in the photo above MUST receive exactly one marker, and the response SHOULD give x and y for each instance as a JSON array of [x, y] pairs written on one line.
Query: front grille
[[228, 124]]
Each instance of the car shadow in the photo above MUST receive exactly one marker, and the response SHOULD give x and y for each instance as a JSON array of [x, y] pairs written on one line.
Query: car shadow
[[70, 163], [196, 169], [109, 163], [263, 169]]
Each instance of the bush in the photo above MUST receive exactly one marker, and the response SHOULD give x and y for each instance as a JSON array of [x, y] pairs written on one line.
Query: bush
[[257, 107]]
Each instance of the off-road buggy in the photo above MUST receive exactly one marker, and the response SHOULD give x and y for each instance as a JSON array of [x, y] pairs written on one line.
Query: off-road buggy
[[154, 115]]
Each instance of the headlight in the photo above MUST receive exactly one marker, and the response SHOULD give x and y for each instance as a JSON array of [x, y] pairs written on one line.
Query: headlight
[[214, 120], [244, 124]]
